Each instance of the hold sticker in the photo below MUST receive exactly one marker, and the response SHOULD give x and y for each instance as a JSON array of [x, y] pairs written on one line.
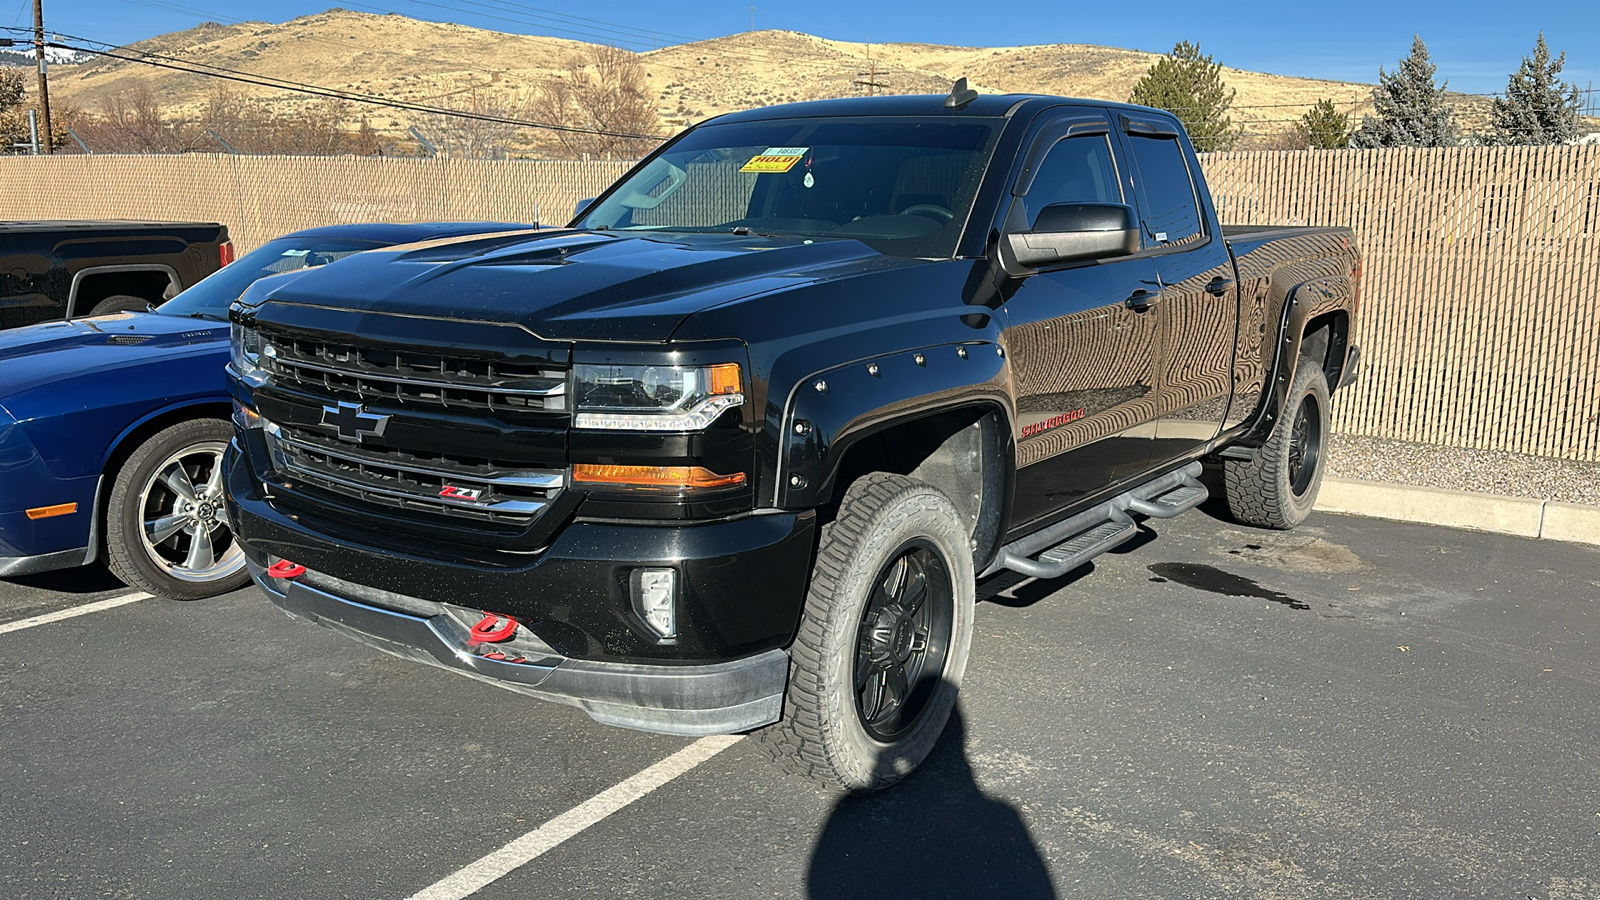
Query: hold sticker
[[775, 159]]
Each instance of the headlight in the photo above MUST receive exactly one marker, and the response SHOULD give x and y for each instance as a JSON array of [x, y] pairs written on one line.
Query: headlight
[[246, 347], [655, 398]]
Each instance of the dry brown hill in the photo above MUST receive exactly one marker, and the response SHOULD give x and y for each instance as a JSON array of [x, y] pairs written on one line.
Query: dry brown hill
[[453, 65]]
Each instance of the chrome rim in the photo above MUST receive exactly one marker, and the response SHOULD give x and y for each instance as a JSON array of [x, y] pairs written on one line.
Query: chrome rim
[[903, 641], [183, 519]]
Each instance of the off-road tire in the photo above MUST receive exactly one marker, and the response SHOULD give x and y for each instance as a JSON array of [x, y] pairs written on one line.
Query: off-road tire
[[822, 736], [125, 516], [1262, 491], [119, 303]]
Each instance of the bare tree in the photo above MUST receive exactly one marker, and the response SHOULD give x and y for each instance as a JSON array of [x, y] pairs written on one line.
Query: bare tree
[[132, 121], [476, 138], [13, 118], [254, 126], [603, 93]]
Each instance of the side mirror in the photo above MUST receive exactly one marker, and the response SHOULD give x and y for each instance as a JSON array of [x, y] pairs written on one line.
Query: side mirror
[[583, 207], [1077, 231]]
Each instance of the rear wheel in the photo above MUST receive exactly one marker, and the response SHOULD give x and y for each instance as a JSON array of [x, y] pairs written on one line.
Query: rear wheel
[[167, 528], [1279, 487], [883, 643], [119, 303]]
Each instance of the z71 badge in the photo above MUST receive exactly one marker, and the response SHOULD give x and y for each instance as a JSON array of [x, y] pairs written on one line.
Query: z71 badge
[[451, 492]]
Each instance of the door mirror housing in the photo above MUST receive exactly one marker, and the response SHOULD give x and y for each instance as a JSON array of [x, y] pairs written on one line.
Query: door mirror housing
[[583, 207], [1068, 232]]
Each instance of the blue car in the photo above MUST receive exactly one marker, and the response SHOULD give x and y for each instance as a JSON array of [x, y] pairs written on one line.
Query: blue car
[[112, 429]]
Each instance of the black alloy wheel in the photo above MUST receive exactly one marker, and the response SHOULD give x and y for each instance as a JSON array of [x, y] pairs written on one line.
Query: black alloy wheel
[[903, 641], [882, 643], [1305, 445]]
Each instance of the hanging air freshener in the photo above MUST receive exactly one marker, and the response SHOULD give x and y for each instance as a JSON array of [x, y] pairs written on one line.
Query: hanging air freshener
[[810, 179]]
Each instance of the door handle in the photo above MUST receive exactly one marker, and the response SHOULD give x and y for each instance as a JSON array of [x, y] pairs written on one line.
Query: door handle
[[1142, 300], [1219, 286]]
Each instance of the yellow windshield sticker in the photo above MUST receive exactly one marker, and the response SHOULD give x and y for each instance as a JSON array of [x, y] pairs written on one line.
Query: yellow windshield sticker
[[775, 159]]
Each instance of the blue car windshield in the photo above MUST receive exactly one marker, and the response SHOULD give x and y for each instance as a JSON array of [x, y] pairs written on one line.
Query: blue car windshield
[[902, 185], [210, 298]]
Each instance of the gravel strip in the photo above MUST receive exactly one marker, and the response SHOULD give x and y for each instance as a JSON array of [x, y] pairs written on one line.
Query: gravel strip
[[1480, 471]]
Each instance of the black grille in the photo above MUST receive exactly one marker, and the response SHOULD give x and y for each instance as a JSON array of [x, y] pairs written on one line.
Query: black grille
[[452, 486], [473, 451], [411, 378]]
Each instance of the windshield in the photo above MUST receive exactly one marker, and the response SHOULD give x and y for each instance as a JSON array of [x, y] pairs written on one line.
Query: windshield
[[902, 185], [210, 298]]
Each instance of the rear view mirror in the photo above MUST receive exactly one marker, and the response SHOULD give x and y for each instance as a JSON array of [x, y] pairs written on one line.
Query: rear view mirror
[[1065, 232]]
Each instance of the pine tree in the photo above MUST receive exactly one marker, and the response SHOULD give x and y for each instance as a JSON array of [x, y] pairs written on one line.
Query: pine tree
[[1190, 86], [1412, 112], [1324, 128], [1539, 108]]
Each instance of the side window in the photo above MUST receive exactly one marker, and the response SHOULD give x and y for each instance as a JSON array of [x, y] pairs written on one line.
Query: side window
[[1171, 215], [1075, 169]]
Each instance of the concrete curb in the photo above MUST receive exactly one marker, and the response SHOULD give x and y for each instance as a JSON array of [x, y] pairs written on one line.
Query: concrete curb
[[1462, 509]]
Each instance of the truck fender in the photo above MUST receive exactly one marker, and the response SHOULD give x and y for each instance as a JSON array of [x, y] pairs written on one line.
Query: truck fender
[[831, 409], [78, 277], [1304, 302]]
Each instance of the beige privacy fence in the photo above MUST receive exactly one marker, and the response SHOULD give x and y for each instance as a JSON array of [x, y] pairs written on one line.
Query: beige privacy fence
[[1480, 322], [1480, 316], [261, 197]]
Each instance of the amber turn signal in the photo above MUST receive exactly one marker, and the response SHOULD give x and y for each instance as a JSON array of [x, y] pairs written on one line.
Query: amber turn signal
[[723, 379], [654, 476], [65, 509]]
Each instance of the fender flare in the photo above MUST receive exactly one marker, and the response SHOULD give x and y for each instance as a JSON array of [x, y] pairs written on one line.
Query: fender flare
[[1303, 302], [830, 410]]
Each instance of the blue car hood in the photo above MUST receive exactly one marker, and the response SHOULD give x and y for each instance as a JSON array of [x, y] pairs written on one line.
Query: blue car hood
[[54, 353], [574, 285]]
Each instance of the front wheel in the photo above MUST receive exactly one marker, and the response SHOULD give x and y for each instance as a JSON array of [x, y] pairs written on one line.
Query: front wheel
[[167, 529], [881, 648]]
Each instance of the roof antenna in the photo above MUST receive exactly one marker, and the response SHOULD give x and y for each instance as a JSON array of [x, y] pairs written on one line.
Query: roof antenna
[[960, 95]]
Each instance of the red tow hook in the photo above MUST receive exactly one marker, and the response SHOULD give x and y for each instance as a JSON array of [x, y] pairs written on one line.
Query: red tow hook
[[493, 629], [285, 569]]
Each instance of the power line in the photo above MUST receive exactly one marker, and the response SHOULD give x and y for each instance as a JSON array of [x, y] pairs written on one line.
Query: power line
[[174, 64]]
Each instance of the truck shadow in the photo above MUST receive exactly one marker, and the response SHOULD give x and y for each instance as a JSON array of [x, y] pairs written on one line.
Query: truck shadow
[[936, 834]]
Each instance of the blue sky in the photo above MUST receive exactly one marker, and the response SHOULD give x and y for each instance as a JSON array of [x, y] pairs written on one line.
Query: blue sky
[[1476, 44]]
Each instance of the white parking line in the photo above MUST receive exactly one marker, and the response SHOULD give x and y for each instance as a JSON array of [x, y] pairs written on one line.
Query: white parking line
[[83, 610], [551, 834]]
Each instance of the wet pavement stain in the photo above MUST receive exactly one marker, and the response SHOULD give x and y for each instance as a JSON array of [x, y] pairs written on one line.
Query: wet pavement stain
[[1216, 581]]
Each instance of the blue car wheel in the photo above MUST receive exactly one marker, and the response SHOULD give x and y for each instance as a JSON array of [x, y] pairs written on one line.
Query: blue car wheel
[[167, 528]]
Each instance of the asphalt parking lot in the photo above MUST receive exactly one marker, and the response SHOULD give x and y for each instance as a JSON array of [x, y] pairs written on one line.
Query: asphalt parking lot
[[1355, 709]]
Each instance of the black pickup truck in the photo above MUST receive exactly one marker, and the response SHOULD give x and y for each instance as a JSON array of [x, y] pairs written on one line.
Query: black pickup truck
[[51, 271], [730, 452]]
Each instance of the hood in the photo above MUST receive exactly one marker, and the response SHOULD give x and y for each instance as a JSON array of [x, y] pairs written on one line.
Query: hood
[[575, 285], [56, 352]]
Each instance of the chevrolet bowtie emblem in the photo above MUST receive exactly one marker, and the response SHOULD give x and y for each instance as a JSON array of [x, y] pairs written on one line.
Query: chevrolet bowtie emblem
[[354, 422]]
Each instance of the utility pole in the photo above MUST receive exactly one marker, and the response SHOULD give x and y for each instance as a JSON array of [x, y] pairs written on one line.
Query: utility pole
[[872, 83], [44, 82], [752, 18]]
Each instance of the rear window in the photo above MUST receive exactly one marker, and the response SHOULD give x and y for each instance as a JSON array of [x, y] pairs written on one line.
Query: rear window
[[1171, 213]]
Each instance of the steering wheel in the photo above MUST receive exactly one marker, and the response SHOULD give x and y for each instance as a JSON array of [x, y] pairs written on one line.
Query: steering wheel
[[931, 210]]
